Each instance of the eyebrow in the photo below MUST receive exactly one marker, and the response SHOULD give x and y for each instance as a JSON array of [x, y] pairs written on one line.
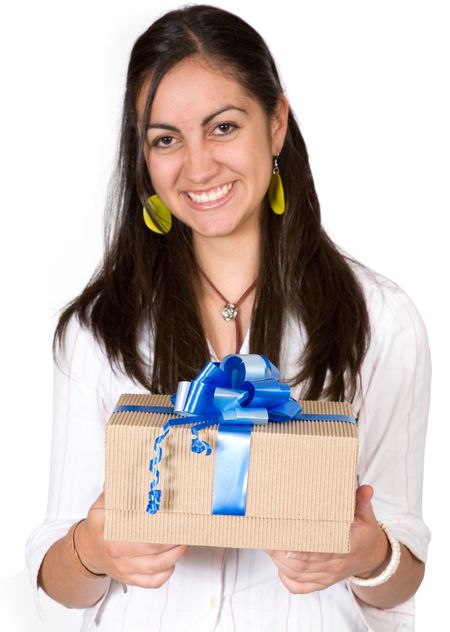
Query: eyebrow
[[205, 121]]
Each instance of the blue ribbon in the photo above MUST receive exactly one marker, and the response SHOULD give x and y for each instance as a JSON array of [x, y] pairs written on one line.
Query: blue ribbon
[[236, 394]]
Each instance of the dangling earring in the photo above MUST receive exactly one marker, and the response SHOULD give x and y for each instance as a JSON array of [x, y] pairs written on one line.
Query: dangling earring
[[162, 214], [275, 191]]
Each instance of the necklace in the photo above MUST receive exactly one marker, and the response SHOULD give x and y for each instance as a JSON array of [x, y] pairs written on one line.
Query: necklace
[[230, 310]]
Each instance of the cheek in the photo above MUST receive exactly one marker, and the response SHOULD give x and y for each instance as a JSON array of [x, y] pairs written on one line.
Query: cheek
[[263, 170], [150, 167], [161, 173], [260, 154], [149, 171]]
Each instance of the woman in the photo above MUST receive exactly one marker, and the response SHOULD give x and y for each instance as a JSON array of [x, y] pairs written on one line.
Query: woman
[[228, 254]]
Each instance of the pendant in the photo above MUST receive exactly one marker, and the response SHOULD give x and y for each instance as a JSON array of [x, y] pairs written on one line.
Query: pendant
[[229, 312]]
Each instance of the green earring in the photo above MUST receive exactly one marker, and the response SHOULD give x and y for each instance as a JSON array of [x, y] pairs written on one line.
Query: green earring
[[162, 214], [275, 191]]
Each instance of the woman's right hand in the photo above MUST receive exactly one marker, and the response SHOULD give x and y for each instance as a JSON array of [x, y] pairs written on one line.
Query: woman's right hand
[[144, 565]]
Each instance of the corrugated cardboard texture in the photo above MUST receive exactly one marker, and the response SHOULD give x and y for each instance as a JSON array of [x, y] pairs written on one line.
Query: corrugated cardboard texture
[[301, 484]]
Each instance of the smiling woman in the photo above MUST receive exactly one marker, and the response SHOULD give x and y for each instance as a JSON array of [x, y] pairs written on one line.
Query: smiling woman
[[212, 161]]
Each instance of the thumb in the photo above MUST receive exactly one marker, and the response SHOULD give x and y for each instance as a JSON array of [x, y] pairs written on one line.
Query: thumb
[[99, 503], [363, 508], [96, 513]]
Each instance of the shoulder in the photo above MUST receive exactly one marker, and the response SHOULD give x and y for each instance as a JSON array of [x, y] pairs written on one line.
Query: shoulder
[[397, 365], [81, 358], [390, 309], [78, 351]]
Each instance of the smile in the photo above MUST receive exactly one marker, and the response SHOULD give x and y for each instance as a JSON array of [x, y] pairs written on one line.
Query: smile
[[213, 195]]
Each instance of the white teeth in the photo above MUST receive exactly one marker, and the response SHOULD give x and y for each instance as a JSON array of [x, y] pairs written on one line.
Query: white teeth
[[210, 196]]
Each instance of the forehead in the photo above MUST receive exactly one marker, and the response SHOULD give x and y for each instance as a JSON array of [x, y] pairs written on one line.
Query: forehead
[[194, 88]]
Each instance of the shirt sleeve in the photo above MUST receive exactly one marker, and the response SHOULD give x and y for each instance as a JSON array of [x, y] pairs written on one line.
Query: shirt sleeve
[[392, 421], [77, 455], [393, 415]]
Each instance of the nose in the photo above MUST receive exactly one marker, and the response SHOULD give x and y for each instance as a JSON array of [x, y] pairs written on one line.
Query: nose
[[200, 164]]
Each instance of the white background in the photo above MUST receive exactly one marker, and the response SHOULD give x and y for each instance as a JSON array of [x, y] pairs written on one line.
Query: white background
[[369, 84]]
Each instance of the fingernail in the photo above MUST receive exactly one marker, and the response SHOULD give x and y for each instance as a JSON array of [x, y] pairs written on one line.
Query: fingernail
[[292, 554]]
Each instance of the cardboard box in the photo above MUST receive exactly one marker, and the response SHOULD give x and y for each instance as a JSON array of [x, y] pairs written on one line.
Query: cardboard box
[[301, 483]]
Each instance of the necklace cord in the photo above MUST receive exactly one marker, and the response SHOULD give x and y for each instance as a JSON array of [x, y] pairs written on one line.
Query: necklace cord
[[236, 305]]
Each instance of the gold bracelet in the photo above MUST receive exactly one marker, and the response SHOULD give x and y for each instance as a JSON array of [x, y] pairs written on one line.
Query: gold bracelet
[[73, 548]]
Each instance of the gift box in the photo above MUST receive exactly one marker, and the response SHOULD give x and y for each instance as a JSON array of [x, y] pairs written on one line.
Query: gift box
[[294, 488]]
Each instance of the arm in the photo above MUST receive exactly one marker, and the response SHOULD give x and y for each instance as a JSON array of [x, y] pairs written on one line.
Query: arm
[[85, 390], [393, 409]]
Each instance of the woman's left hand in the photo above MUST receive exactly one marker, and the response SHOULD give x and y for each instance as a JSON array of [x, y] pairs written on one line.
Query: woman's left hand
[[369, 553]]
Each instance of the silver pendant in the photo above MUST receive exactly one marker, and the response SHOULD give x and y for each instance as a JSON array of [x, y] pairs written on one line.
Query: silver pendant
[[229, 312]]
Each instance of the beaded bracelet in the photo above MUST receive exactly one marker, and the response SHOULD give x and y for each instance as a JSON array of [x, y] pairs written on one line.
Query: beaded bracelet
[[73, 548], [390, 568]]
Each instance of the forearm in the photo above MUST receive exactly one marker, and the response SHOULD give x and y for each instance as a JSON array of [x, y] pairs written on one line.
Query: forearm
[[399, 588], [62, 578]]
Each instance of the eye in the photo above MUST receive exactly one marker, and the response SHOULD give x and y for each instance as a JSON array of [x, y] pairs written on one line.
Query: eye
[[163, 141], [224, 128]]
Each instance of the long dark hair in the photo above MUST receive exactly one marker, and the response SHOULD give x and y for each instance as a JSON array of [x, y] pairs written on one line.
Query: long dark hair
[[147, 280]]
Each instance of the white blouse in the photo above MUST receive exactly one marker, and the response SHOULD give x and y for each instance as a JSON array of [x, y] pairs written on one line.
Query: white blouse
[[238, 590]]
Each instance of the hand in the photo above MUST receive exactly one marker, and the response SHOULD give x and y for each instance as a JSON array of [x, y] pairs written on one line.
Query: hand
[[369, 552], [144, 565]]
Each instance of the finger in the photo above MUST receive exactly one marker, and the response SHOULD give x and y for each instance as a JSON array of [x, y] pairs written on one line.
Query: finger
[[168, 557], [100, 502], [148, 581], [301, 571], [363, 508], [293, 568], [149, 564], [96, 514], [136, 549], [302, 588], [364, 495], [305, 556]]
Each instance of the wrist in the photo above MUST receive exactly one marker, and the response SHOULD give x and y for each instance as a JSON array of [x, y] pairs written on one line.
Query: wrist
[[382, 575], [381, 556], [76, 542]]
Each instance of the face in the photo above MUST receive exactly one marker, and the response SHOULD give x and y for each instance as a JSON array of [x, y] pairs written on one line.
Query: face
[[209, 149]]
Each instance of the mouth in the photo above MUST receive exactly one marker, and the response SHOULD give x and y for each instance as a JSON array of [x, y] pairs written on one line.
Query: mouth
[[210, 198]]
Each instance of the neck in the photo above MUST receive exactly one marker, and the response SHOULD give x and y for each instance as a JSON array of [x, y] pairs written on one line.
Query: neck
[[232, 264]]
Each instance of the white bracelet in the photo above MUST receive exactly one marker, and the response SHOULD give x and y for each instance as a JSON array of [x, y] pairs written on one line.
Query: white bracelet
[[390, 568]]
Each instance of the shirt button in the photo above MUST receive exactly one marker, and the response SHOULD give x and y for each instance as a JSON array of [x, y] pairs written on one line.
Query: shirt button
[[213, 602]]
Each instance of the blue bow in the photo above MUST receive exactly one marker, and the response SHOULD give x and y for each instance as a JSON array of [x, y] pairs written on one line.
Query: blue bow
[[242, 389]]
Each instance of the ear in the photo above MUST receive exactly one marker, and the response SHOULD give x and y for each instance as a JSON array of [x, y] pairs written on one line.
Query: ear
[[278, 125]]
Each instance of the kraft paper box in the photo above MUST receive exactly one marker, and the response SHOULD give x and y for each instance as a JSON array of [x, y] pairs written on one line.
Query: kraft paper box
[[300, 490]]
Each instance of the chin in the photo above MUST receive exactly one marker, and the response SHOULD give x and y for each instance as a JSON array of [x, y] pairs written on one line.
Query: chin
[[213, 230]]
